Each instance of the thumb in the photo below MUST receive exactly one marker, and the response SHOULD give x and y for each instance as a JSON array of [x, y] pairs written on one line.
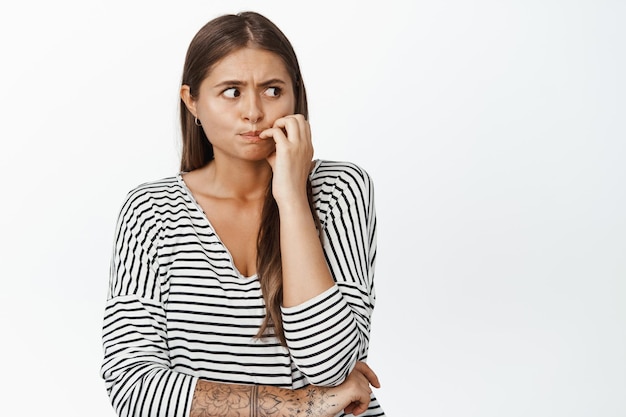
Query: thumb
[[368, 373]]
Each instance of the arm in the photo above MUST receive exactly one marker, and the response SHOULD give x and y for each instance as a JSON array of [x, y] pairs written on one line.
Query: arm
[[340, 317], [305, 272], [326, 311], [225, 400], [136, 365], [141, 383]]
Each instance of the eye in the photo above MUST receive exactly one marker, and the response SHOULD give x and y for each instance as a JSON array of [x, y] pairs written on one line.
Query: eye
[[273, 91], [232, 92]]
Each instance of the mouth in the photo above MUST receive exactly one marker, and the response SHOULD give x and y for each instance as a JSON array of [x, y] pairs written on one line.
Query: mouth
[[252, 135]]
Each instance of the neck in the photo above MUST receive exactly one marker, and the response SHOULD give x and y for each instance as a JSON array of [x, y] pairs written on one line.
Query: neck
[[242, 180]]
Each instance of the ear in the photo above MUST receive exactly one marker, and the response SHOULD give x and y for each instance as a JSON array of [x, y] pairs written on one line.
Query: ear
[[185, 95]]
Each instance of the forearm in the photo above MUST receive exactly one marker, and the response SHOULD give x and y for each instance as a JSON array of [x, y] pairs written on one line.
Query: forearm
[[323, 338], [305, 272], [213, 399], [325, 333], [225, 400]]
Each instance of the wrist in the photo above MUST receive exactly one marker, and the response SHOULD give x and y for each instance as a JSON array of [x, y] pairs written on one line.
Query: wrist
[[317, 401], [297, 202]]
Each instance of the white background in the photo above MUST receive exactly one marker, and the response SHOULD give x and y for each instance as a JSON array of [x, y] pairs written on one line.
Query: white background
[[495, 133]]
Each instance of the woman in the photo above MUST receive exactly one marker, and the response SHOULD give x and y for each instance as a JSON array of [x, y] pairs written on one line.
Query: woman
[[243, 285]]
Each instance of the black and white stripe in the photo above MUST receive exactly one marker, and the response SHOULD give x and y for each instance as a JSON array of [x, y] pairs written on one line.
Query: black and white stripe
[[179, 310]]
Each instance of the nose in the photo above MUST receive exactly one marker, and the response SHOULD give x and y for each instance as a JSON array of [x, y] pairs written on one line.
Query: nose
[[252, 110]]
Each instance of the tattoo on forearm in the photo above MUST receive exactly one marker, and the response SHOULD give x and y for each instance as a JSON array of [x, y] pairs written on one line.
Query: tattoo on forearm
[[318, 401], [254, 402], [223, 400], [220, 400]]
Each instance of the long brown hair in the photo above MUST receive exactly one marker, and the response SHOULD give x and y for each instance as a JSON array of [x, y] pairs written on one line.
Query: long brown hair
[[214, 41]]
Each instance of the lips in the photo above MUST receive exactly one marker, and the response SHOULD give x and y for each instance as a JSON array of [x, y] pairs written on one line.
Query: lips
[[252, 135]]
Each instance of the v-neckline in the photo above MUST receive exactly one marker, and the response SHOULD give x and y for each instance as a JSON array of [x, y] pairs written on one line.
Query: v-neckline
[[205, 218], [315, 165]]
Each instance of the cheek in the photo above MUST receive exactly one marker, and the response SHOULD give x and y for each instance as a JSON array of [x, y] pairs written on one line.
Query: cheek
[[210, 108], [288, 108], [215, 120], [215, 115]]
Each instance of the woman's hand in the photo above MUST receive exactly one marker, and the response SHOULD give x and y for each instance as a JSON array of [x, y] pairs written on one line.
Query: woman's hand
[[352, 395], [360, 380], [291, 161]]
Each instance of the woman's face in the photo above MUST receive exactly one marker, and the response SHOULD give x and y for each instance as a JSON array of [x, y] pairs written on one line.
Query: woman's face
[[243, 95]]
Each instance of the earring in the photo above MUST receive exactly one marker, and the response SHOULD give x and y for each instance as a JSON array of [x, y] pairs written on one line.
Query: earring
[[197, 122]]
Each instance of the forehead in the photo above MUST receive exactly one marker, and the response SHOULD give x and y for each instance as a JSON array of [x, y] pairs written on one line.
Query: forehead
[[250, 64]]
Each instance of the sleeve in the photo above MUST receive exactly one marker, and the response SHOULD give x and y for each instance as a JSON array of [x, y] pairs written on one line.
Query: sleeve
[[136, 367], [329, 333]]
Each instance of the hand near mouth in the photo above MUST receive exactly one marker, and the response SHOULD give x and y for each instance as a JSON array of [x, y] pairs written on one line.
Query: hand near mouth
[[291, 161]]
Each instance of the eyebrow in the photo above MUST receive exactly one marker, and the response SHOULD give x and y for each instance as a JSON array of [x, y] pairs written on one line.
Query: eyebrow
[[237, 83]]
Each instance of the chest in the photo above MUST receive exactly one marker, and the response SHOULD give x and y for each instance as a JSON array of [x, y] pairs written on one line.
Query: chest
[[236, 225]]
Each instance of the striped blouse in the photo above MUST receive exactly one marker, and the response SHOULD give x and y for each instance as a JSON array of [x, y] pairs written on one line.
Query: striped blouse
[[178, 309]]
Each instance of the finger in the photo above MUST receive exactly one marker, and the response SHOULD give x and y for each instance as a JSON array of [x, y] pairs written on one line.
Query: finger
[[305, 127], [368, 373], [360, 408], [275, 133], [296, 127], [290, 126], [298, 118], [362, 403]]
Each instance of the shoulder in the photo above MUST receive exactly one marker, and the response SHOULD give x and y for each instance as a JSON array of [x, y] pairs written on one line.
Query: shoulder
[[343, 171], [341, 187], [147, 196], [333, 176], [156, 187]]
